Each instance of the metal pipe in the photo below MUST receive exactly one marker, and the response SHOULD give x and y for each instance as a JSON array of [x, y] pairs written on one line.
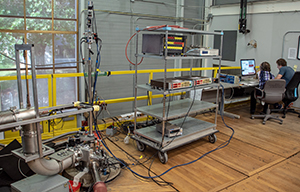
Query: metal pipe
[[37, 120], [49, 167], [39, 139], [34, 83], [135, 81], [150, 16], [95, 173], [217, 100], [59, 136], [18, 115], [19, 80], [99, 185], [29, 139]]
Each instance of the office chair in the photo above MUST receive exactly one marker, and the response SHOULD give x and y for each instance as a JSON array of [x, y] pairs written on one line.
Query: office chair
[[273, 92], [291, 94]]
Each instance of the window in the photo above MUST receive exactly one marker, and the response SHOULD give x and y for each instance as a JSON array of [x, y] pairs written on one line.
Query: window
[[52, 27], [229, 40]]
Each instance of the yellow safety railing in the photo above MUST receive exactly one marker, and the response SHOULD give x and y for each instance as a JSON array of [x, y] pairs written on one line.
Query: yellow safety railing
[[52, 81], [52, 91]]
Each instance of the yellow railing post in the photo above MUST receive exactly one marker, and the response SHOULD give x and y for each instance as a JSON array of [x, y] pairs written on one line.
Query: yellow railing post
[[215, 73], [150, 92], [50, 91], [54, 90]]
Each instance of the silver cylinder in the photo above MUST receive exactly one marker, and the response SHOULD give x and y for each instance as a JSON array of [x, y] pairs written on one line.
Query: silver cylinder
[[49, 166], [95, 173], [29, 139], [18, 115]]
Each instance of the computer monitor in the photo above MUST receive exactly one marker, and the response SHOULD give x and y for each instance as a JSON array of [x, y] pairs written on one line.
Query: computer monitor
[[248, 68]]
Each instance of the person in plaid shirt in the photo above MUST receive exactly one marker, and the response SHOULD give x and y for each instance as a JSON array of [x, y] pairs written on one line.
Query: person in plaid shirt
[[263, 76]]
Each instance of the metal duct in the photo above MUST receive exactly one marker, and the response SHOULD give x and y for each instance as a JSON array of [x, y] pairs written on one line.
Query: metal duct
[[99, 185], [49, 167], [29, 139], [17, 115]]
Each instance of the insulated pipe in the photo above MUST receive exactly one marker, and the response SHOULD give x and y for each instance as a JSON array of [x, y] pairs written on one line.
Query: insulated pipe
[[49, 167], [29, 139], [99, 185], [95, 172], [18, 115]]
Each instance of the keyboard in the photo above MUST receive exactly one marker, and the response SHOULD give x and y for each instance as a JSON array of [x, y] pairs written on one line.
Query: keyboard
[[249, 82]]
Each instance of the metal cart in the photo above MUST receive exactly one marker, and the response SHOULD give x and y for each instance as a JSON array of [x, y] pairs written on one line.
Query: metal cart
[[174, 112]]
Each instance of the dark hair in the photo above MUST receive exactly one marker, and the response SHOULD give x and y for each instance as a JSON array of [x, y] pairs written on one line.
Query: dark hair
[[281, 62], [265, 66]]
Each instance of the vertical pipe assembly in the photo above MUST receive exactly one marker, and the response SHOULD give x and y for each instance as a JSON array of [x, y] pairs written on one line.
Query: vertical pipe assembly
[[19, 80], [135, 76], [164, 121], [34, 83], [29, 139], [90, 94], [221, 50], [99, 185]]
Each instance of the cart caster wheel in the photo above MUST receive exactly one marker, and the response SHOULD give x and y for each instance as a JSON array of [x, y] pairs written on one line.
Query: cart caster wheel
[[163, 157], [252, 117], [140, 146], [280, 122], [212, 138], [264, 122]]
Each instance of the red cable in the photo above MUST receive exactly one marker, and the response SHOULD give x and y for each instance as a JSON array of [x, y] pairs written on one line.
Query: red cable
[[126, 51]]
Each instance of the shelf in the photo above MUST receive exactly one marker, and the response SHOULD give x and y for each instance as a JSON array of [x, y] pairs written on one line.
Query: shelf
[[193, 129], [180, 30], [178, 57], [175, 109], [161, 91]]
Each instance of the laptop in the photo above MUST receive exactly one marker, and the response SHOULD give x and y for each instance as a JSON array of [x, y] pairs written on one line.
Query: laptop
[[248, 72]]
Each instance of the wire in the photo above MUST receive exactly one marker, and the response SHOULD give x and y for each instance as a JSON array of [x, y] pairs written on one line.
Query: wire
[[70, 186], [20, 168], [5, 155], [169, 142], [224, 144], [126, 52], [98, 60], [160, 183]]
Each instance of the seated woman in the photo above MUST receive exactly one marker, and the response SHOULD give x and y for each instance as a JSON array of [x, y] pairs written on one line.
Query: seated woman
[[263, 76]]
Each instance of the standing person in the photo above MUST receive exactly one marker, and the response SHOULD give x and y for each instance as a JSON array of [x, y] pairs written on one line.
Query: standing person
[[263, 76], [285, 72]]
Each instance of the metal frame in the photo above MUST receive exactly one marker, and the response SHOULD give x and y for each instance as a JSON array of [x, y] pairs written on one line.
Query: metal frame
[[148, 137]]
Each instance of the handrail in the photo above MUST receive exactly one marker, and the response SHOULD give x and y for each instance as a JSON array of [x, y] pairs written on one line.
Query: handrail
[[52, 89], [52, 81]]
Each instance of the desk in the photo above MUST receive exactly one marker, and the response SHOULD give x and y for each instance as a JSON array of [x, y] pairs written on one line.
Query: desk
[[209, 94]]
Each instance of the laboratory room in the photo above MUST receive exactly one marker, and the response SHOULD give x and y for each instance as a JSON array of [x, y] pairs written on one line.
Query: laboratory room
[[149, 95]]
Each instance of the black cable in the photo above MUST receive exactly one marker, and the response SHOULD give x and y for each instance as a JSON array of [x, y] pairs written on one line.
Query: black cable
[[142, 164], [95, 22], [169, 142], [159, 183]]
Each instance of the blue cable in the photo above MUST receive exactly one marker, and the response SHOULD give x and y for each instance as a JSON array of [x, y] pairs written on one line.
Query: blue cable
[[98, 60], [217, 148]]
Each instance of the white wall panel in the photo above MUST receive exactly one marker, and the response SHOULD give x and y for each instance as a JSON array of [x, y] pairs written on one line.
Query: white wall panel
[[115, 30], [267, 28]]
